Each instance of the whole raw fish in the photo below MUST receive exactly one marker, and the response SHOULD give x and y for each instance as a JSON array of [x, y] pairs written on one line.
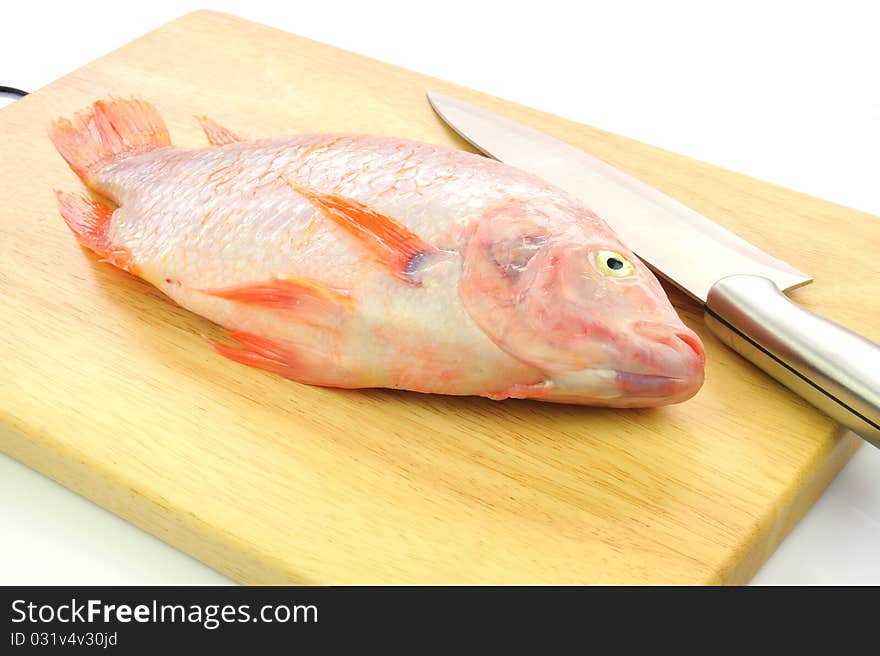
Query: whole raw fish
[[359, 261]]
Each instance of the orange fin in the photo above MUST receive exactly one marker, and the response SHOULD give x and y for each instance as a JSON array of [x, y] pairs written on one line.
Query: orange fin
[[307, 298], [391, 243], [256, 352], [284, 358], [216, 133], [89, 220], [106, 129]]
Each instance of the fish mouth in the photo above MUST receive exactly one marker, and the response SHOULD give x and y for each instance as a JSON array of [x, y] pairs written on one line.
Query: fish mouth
[[617, 388], [614, 387], [648, 385]]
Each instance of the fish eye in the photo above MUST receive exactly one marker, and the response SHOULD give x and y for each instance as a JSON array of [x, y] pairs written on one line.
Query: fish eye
[[614, 264]]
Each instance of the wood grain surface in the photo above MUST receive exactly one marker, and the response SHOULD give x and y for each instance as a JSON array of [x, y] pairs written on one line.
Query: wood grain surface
[[114, 391]]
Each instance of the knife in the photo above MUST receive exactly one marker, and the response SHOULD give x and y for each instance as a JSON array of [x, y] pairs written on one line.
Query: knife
[[742, 288]]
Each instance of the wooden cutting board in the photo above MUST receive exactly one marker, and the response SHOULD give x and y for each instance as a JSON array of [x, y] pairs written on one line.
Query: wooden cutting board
[[114, 391]]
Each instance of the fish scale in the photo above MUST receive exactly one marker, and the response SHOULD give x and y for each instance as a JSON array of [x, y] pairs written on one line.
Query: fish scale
[[364, 261]]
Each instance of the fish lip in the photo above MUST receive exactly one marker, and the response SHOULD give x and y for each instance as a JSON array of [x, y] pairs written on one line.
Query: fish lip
[[622, 389], [649, 385], [646, 376]]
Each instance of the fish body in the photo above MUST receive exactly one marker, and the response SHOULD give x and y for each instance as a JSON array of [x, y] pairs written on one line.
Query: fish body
[[364, 261]]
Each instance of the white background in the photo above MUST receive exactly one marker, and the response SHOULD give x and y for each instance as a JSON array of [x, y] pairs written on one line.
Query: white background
[[786, 92]]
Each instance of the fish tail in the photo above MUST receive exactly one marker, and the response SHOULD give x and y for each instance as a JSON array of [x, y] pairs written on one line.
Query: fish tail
[[89, 220], [106, 129]]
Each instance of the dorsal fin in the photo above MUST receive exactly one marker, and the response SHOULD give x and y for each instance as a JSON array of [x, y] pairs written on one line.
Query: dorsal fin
[[391, 244], [216, 133]]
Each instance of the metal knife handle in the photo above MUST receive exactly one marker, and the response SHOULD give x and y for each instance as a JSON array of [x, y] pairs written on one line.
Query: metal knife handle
[[833, 368]]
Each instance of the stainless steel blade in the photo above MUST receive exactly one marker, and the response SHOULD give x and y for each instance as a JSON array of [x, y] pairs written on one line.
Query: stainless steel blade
[[679, 243]]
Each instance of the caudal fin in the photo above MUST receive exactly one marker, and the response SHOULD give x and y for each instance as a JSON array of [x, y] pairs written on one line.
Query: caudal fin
[[89, 220], [106, 129]]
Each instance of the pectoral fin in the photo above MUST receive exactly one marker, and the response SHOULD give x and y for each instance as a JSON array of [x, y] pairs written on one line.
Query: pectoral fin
[[389, 243]]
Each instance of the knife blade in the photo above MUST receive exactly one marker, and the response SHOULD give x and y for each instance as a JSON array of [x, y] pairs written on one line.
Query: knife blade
[[740, 286]]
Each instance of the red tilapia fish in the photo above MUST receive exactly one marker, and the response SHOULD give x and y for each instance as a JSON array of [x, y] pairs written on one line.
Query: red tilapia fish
[[362, 261]]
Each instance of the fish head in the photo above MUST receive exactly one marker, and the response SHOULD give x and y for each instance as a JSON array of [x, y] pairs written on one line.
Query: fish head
[[553, 286]]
